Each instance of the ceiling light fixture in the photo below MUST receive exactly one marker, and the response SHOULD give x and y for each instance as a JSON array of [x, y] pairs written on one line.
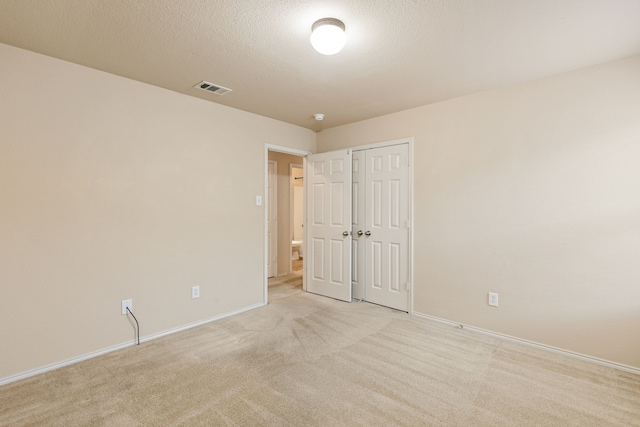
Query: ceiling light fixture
[[327, 36]]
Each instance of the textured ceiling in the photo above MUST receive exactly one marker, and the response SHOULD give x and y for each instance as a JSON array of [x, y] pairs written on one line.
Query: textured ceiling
[[399, 54]]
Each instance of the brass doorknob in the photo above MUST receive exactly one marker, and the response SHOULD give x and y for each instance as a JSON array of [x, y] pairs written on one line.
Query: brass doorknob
[[368, 233], [360, 233], [345, 233]]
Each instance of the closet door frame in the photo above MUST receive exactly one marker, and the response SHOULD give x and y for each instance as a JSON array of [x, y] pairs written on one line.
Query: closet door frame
[[410, 250]]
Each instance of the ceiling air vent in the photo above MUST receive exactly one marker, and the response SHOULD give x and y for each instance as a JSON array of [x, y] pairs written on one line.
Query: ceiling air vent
[[210, 87]]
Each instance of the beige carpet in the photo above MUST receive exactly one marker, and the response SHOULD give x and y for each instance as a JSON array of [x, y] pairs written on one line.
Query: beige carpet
[[305, 360]]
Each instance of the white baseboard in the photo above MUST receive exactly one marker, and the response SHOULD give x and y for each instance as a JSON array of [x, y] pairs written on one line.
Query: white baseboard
[[91, 355], [592, 359]]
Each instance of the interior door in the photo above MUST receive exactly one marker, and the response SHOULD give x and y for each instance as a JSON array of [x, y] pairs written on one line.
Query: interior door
[[358, 247], [272, 218], [328, 224], [387, 226]]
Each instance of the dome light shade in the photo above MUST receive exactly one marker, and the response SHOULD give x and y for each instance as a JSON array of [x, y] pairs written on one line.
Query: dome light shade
[[327, 36]]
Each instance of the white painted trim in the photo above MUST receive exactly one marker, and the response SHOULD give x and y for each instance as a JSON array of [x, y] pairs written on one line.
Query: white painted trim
[[382, 144], [267, 208], [42, 370], [285, 150], [411, 226], [553, 349], [304, 216], [201, 322], [409, 142]]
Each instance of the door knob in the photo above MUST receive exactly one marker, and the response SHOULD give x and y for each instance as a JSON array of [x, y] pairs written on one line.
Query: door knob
[[360, 233], [368, 233], [345, 233]]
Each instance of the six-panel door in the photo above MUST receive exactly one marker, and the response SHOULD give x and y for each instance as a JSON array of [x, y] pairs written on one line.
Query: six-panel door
[[365, 207], [386, 237], [327, 239]]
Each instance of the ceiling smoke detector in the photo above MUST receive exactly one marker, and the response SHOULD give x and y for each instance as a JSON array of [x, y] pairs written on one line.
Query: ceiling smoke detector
[[210, 87], [318, 117]]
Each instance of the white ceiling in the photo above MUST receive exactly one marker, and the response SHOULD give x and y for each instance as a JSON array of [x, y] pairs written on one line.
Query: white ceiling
[[399, 54]]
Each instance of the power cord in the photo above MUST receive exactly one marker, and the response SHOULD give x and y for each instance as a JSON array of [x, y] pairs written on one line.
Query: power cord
[[137, 324]]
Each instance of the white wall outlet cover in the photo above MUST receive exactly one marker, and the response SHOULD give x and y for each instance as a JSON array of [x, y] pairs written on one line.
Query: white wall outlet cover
[[195, 292], [493, 299], [258, 200], [127, 303]]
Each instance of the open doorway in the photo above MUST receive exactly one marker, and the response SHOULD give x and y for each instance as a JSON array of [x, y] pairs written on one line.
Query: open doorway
[[272, 219], [288, 211], [297, 218]]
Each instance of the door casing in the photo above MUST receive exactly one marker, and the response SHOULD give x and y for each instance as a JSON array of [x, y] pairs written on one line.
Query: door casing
[[301, 153], [405, 301], [285, 150], [272, 218], [382, 231]]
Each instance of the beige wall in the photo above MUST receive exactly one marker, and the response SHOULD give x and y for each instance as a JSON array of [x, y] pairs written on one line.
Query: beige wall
[[112, 189], [284, 208], [531, 191]]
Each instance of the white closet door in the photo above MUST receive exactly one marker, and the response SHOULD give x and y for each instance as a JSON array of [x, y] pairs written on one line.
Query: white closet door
[[358, 246], [327, 237], [387, 226]]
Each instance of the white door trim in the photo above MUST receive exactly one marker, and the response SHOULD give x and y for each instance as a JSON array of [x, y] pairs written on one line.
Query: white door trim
[[385, 144], [301, 153], [285, 150], [408, 140], [386, 219], [272, 258]]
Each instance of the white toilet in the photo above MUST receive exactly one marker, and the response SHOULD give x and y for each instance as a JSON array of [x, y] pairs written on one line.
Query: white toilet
[[296, 249]]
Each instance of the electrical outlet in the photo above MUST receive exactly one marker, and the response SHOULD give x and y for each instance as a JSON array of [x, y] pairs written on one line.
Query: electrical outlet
[[195, 292], [493, 299], [127, 303]]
